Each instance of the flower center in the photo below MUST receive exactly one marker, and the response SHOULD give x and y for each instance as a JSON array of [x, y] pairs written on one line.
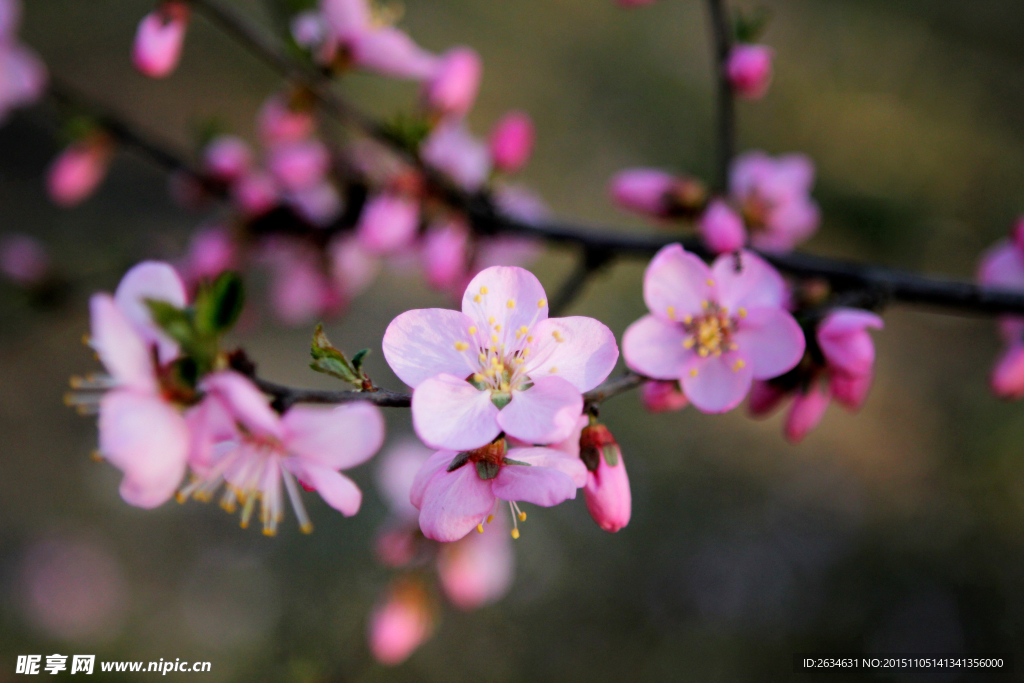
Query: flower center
[[710, 333], [755, 210]]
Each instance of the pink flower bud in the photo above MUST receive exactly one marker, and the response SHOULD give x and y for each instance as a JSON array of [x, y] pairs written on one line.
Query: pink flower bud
[[644, 190], [76, 173], [452, 89], [721, 228], [388, 223], [607, 489], [661, 397], [159, 39], [850, 390], [299, 165], [750, 70], [805, 413], [845, 342], [764, 398], [23, 260], [478, 569], [451, 148], [22, 77], [255, 193], [445, 255], [391, 52], [278, 122], [401, 623], [1008, 375], [512, 141], [227, 157]]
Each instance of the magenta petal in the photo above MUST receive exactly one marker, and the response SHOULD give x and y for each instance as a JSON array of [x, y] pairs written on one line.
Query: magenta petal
[[654, 348], [151, 280], [754, 285], [336, 489], [454, 503], [542, 486], [676, 283], [805, 414], [391, 52], [119, 346], [341, 438], [720, 383], [544, 413], [449, 412], [583, 353], [845, 342], [388, 223], [246, 403], [608, 496], [420, 344], [852, 390], [437, 462], [552, 459], [764, 398], [1008, 375], [497, 287], [771, 341], [1002, 266]]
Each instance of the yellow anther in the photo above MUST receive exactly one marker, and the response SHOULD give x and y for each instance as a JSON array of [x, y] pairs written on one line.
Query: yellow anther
[[693, 373], [672, 312], [688, 343], [480, 528], [542, 303], [96, 456], [497, 328], [267, 531], [705, 304], [553, 369], [711, 283], [511, 303], [738, 365], [477, 377], [495, 362], [688, 319], [483, 358], [306, 528], [529, 340], [558, 336], [526, 352], [524, 329], [476, 299], [703, 352], [490, 518], [515, 533], [494, 338], [520, 360], [483, 290], [504, 386], [490, 320], [733, 346], [742, 312], [472, 330], [522, 516], [461, 346], [490, 372]]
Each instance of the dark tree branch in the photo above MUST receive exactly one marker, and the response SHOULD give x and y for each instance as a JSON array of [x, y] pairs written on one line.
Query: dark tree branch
[[721, 33], [589, 263]]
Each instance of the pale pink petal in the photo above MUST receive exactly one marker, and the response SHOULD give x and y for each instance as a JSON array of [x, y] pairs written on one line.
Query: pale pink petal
[[278, 122], [211, 251], [553, 459], [353, 269], [748, 171], [391, 52], [448, 412], [10, 19], [346, 17], [451, 148], [227, 157], [453, 87], [719, 384], [676, 284], [159, 39], [478, 570], [765, 397], [806, 413], [755, 284], [749, 68], [299, 165], [844, 340], [388, 223], [523, 204], [850, 390], [787, 225], [1002, 266], [300, 290], [420, 344], [644, 190], [542, 486], [770, 340], [77, 171], [399, 625], [151, 280], [121, 349], [255, 193], [397, 471], [337, 490], [1007, 378], [338, 438], [209, 423], [608, 496], [454, 503], [512, 141], [721, 228], [544, 413], [580, 350], [654, 348], [445, 254], [248, 405], [512, 296], [148, 440], [434, 464], [319, 203]]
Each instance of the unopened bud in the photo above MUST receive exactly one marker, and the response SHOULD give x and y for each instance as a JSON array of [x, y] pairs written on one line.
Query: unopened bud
[[401, 623], [159, 39], [607, 489]]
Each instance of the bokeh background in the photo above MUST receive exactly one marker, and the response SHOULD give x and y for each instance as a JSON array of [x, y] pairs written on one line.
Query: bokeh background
[[900, 529]]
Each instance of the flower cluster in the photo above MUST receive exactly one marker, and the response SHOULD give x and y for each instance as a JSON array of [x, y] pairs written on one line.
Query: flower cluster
[[22, 74]]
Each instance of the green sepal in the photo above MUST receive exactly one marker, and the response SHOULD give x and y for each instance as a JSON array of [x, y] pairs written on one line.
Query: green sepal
[[406, 130], [510, 461], [500, 399], [611, 455], [176, 322], [219, 304], [185, 372], [458, 461], [330, 361], [486, 469], [749, 27]]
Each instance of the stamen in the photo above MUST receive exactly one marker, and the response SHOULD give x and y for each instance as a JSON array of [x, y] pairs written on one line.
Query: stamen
[[494, 339], [296, 498], [515, 534], [689, 342], [480, 528], [529, 340], [672, 312], [461, 346], [483, 290], [490, 320], [688, 319], [693, 373], [711, 283], [472, 330], [511, 303], [476, 299], [738, 365], [742, 312], [553, 369], [542, 303]]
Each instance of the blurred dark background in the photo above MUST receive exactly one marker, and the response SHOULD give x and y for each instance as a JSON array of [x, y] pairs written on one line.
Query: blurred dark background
[[900, 529]]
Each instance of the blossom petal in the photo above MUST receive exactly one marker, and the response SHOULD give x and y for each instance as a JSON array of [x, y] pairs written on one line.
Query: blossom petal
[[755, 284], [246, 403], [341, 438], [544, 413], [337, 490], [512, 296], [544, 486], [771, 341], [437, 462], [123, 352], [654, 348], [844, 340], [454, 503], [676, 283], [580, 350], [719, 382], [479, 569], [421, 344], [805, 413], [151, 280], [449, 412], [550, 458]]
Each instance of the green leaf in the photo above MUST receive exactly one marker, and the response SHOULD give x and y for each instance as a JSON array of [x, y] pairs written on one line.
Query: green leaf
[[749, 27], [458, 461], [331, 361], [176, 322], [219, 304], [406, 130], [486, 469], [357, 360]]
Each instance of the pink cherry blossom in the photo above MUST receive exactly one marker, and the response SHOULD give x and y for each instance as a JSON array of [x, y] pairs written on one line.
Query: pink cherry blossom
[[606, 492], [211, 251], [23, 260], [309, 29], [452, 89], [479, 569], [23, 76], [301, 290], [457, 492], [382, 49], [279, 122], [774, 197], [500, 365], [749, 68], [451, 148], [306, 445], [806, 412], [227, 158], [445, 254], [401, 623], [76, 173], [661, 397], [844, 340], [320, 203], [721, 229], [512, 141], [299, 165], [389, 223], [714, 329], [159, 39], [255, 193], [1003, 266], [353, 268], [644, 190]]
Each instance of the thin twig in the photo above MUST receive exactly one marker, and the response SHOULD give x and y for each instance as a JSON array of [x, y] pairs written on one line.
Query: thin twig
[[589, 263], [721, 33]]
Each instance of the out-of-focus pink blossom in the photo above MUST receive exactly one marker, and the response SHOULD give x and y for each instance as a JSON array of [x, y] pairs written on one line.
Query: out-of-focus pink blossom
[[749, 68], [765, 397], [661, 397], [714, 329], [656, 193], [844, 340], [255, 193], [500, 365], [211, 251], [382, 49], [299, 165], [512, 141], [77, 171], [22, 77], [479, 569], [445, 254], [521, 203], [227, 158], [806, 412], [1008, 374], [278, 122], [1003, 266], [452, 89], [23, 260], [401, 623], [773, 195], [389, 223], [353, 268], [721, 229], [10, 19], [309, 29], [320, 203], [451, 148], [300, 289], [159, 39], [607, 490]]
